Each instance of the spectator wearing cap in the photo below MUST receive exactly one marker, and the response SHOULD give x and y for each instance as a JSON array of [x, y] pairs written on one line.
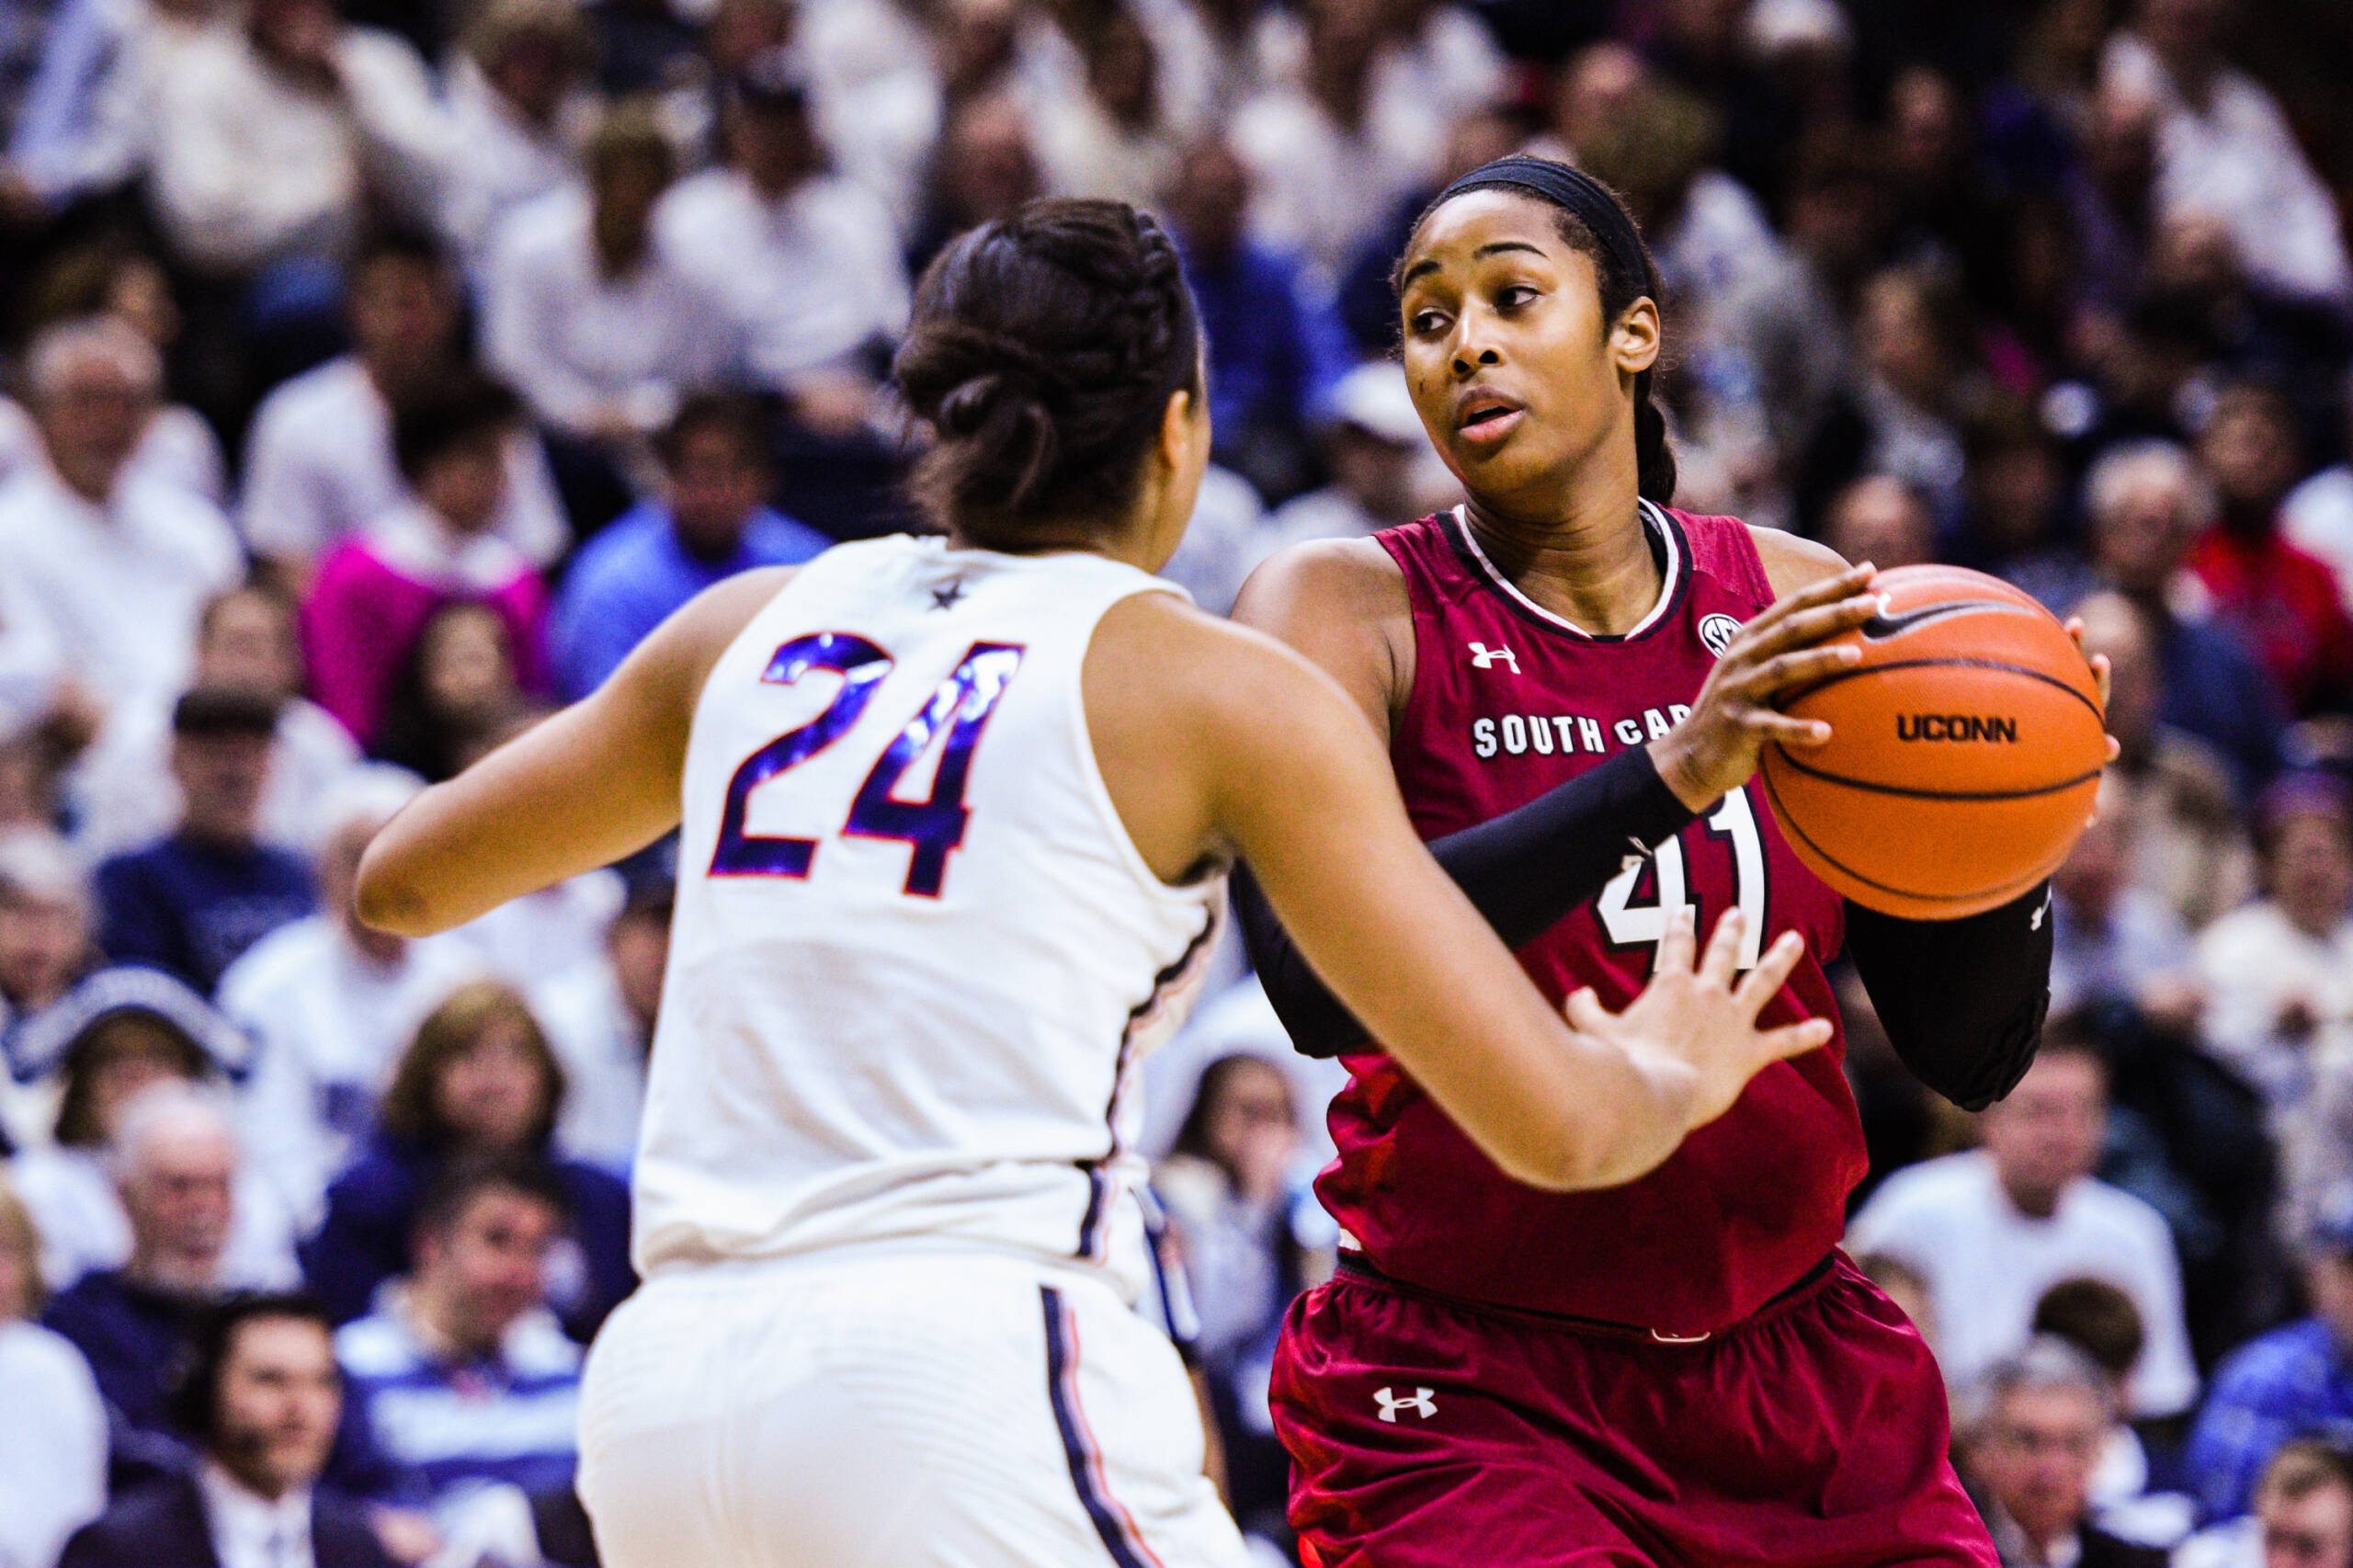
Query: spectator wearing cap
[[1275, 348], [116, 1034], [599, 1020], [1991, 1229], [2303, 1516], [53, 1443], [189, 903], [595, 325], [804, 262], [480, 1080], [521, 104], [1371, 440], [124, 793], [461, 1376], [2224, 148], [2043, 1417], [329, 1003], [2280, 969], [116, 564], [2194, 851], [260, 1398], [2293, 1381], [707, 523], [2147, 502], [177, 1168], [376, 590], [320, 462], [2286, 603]]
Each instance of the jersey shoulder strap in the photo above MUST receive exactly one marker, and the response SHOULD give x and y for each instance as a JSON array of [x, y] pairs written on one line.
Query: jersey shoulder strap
[[1724, 548]]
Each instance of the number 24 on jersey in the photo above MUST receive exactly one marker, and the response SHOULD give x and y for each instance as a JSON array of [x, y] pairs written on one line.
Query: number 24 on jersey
[[958, 708]]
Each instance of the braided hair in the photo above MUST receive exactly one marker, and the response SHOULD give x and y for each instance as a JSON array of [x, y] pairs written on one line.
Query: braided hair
[[1043, 351]]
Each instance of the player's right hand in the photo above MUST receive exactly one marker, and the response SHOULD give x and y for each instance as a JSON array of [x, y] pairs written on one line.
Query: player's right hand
[[1692, 1031], [1715, 748]]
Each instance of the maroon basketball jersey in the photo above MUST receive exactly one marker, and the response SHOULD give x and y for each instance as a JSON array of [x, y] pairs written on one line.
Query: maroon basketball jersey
[[1509, 701]]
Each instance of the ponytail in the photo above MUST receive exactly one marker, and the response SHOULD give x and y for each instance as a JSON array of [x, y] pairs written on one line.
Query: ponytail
[[1653, 457]]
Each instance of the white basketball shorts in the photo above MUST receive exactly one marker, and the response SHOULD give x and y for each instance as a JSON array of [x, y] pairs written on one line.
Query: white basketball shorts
[[939, 1411]]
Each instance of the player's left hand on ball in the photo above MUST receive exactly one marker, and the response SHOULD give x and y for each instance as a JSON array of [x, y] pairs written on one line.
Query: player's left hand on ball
[[1693, 1026], [2103, 675]]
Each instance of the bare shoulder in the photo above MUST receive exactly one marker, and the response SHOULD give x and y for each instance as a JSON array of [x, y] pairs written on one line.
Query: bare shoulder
[[1792, 564], [1200, 667], [1346, 579]]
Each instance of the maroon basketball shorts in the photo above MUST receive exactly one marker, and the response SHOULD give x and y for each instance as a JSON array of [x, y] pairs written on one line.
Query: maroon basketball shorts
[[1427, 1432]]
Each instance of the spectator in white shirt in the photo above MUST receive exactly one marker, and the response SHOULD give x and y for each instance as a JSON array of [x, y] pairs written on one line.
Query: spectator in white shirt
[[1330, 158], [53, 1444], [599, 1021], [805, 262], [2281, 971], [1993, 1229], [128, 284], [124, 793], [119, 1034], [118, 565], [521, 106], [330, 1003], [270, 140], [319, 464], [1108, 134], [594, 324], [2225, 148]]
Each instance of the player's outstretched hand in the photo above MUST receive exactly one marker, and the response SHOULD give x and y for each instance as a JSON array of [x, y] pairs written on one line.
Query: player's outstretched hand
[[1692, 1030], [1713, 750]]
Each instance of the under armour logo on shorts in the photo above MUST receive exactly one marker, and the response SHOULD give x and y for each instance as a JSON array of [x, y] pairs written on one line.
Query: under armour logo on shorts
[[1486, 658], [1421, 1404]]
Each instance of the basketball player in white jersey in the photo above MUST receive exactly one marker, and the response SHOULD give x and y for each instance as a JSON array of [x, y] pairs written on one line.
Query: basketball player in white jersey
[[954, 817]]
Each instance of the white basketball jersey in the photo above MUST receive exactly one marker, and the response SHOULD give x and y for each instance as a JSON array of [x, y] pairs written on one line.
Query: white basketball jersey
[[915, 957]]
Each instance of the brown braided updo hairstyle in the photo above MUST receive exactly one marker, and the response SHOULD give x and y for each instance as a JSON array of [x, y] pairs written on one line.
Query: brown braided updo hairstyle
[[1043, 352]]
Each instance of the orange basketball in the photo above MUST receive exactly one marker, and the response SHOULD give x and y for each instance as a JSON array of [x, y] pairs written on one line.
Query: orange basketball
[[1963, 755]]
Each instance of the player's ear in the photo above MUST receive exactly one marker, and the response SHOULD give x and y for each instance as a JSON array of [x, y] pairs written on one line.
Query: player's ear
[[1634, 341], [1177, 428]]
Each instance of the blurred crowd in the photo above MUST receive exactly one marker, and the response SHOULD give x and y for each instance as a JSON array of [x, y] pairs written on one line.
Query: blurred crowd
[[378, 374]]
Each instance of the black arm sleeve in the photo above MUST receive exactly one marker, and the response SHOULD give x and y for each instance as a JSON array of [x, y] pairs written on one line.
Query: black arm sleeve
[[1524, 871], [1963, 1000]]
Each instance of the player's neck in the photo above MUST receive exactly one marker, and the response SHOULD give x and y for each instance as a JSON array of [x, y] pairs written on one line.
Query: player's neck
[[1588, 561]]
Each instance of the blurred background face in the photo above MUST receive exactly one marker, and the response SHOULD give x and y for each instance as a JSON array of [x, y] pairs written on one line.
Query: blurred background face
[[534, 72], [2136, 689], [2046, 1136], [715, 485], [1209, 200], [489, 1267], [466, 484], [640, 945], [277, 1404], [774, 144], [126, 1054], [180, 1195], [221, 778], [404, 313], [93, 421], [2249, 449], [987, 166], [42, 943], [2014, 489], [1253, 1126], [2038, 1455], [250, 643], [2101, 865], [2328, 1280], [468, 671], [2312, 1532], [2309, 871], [1899, 341], [1880, 521], [627, 189], [2141, 537], [492, 1093]]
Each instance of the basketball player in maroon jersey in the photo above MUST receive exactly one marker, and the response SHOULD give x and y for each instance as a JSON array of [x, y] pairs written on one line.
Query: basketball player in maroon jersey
[[1574, 681]]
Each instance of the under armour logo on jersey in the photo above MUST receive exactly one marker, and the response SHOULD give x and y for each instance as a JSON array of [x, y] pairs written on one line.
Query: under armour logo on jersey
[[1421, 1404], [945, 598], [2040, 910], [1486, 658], [1717, 632]]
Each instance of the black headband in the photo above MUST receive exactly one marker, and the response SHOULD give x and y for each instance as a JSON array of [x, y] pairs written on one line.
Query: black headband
[[1583, 197]]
